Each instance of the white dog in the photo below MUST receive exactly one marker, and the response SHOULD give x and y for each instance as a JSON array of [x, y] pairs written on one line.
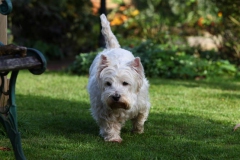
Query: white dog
[[118, 88]]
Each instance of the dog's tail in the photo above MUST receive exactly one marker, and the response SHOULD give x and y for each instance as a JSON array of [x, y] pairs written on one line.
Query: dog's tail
[[110, 40]]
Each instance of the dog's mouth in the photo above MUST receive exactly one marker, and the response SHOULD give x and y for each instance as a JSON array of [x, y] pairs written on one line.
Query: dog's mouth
[[117, 105]]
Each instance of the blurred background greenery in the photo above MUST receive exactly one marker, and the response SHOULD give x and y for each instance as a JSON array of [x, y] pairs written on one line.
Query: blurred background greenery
[[187, 39]]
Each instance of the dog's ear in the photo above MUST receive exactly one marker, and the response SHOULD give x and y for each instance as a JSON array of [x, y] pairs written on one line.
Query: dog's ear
[[137, 66], [103, 63]]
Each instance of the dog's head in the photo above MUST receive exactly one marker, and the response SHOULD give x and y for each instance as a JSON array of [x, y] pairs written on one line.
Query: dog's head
[[120, 82]]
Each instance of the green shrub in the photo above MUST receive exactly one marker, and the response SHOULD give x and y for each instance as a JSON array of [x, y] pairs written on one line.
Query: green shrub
[[166, 61], [82, 63], [173, 62]]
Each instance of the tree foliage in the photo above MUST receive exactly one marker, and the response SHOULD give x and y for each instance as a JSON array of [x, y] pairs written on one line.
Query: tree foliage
[[57, 27]]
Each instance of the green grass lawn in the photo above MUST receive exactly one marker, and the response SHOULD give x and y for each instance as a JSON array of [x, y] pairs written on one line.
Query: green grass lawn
[[188, 120]]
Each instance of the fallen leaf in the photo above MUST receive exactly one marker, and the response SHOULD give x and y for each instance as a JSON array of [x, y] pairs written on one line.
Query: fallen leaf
[[4, 149]]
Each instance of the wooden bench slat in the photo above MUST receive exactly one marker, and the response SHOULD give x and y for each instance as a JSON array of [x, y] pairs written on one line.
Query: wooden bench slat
[[19, 63]]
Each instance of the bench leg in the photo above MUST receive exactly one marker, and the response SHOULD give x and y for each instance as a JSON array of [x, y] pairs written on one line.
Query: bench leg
[[8, 116]]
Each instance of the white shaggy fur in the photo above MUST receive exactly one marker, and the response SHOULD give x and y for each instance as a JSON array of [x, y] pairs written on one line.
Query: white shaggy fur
[[118, 88]]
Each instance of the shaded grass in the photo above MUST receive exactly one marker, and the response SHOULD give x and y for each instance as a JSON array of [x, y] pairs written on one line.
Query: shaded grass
[[188, 120]]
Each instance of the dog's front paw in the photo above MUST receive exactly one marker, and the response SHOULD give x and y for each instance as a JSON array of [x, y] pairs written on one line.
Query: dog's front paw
[[117, 140]]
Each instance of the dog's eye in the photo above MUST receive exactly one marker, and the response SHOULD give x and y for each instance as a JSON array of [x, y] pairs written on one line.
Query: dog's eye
[[108, 84], [125, 83]]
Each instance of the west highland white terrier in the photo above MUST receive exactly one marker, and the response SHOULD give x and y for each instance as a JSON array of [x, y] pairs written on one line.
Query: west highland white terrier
[[118, 88]]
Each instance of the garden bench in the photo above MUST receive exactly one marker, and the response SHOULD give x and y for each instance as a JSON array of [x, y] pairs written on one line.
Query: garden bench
[[12, 60]]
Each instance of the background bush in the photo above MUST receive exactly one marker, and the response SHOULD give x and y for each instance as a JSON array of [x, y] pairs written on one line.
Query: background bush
[[167, 62]]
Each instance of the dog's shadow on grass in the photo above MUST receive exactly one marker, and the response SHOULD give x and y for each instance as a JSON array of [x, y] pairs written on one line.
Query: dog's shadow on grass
[[38, 114]]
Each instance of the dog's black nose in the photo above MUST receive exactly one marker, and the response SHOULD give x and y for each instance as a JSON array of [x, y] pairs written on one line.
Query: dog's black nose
[[116, 97]]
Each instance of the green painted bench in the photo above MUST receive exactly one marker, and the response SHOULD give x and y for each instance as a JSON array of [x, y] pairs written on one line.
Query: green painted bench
[[11, 64], [13, 59]]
